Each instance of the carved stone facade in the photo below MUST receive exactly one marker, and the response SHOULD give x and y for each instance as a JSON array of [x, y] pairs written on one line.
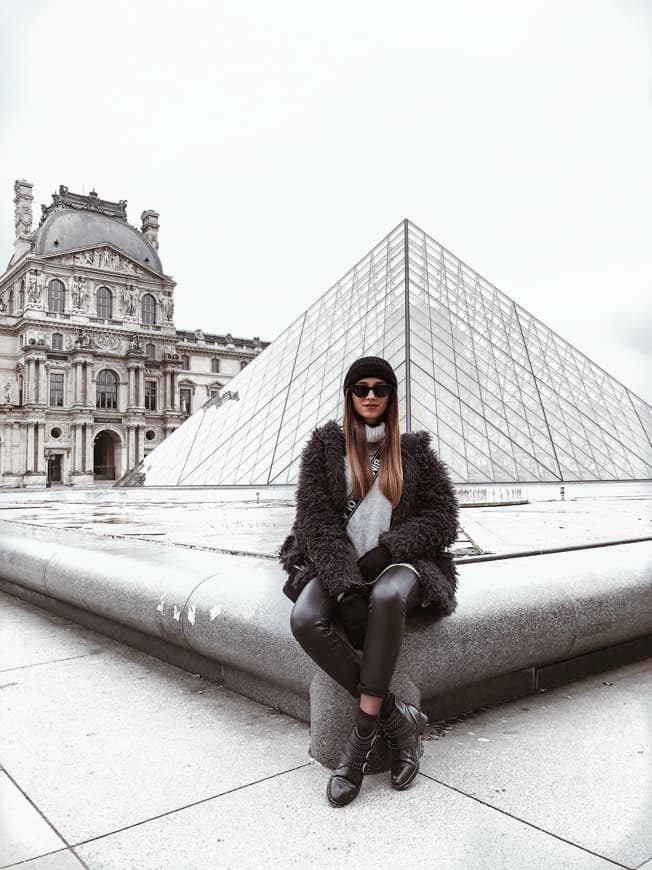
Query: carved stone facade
[[93, 372]]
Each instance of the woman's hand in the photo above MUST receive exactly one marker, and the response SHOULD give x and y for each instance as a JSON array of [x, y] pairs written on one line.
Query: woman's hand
[[373, 562]]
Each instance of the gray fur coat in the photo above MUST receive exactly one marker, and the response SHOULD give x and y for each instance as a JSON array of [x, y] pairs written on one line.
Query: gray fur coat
[[423, 523]]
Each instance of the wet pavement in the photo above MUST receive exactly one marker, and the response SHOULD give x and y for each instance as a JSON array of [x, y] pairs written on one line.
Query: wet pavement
[[243, 520], [112, 760]]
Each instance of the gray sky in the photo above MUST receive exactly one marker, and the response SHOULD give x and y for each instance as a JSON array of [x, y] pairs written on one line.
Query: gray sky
[[280, 141]]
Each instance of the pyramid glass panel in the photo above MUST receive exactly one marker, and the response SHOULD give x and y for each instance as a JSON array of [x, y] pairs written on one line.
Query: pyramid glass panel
[[504, 397]]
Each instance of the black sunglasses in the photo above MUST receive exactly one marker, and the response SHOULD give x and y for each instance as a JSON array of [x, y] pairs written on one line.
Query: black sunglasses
[[380, 390]]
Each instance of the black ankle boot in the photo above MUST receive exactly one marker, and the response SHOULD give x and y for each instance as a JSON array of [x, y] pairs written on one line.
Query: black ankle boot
[[403, 728], [345, 781]]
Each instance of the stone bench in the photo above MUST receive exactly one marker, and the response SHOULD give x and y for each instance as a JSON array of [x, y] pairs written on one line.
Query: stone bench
[[522, 624]]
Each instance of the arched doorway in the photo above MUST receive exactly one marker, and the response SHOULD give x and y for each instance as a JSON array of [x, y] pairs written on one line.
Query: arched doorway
[[104, 448]]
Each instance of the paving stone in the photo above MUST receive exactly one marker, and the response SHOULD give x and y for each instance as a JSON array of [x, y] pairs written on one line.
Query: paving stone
[[56, 861], [30, 636], [287, 822], [24, 833], [107, 741], [576, 761]]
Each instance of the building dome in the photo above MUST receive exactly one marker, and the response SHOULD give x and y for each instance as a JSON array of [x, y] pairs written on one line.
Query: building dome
[[66, 229]]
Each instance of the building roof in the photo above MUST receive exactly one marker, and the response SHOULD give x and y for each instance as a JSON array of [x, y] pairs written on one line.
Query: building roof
[[70, 228]]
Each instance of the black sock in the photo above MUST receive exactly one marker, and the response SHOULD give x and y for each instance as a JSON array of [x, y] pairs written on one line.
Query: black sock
[[387, 706], [365, 723]]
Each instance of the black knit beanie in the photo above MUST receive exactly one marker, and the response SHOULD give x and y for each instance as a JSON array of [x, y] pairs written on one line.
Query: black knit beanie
[[370, 367]]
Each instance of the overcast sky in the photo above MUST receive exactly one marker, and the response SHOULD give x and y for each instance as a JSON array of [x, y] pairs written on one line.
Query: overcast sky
[[281, 140]]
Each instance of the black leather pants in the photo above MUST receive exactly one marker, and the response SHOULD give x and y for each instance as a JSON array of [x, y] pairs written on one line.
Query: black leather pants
[[316, 625]]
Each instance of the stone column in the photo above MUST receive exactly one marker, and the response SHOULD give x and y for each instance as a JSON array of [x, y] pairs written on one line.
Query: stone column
[[80, 382], [28, 385], [140, 442], [174, 377], [26, 382], [130, 445], [141, 387], [73, 443], [75, 383], [75, 460], [18, 451], [164, 393], [42, 383], [29, 447], [88, 440], [5, 448], [89, 398], [40, 452], [76, 442], [33, 381], [131, 401]]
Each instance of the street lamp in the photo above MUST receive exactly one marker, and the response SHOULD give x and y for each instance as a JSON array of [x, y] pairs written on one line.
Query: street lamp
[[49, 456]]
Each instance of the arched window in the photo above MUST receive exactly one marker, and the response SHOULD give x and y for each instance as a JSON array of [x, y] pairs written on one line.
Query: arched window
[[185, 361], [107, 389], [104, 303], [215, 365], [57, 341], [11, 302], [56, 296], [243, 363], [148, 309], [150, 350]]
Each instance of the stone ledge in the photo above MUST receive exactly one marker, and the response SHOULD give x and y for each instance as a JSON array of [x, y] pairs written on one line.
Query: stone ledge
[[520, 624]]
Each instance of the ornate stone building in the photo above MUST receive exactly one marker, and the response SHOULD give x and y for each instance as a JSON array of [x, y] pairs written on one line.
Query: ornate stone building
[[93, 372]]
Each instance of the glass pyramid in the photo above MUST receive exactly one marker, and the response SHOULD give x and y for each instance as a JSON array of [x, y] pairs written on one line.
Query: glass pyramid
[[505, 398]]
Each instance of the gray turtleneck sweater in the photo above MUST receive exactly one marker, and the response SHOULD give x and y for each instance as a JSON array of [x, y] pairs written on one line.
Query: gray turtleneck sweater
[[374, 513]]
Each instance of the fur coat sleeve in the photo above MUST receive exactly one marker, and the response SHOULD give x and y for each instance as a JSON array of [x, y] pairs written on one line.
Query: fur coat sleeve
[[319, 526], [424, 524]]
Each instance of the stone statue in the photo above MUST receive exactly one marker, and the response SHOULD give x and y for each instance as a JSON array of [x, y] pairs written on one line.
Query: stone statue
[[83, 292], [9, 399], [23, 223], [23, 214], [76, 291], [79, 292], [34, 288], [83, 339], [136, 343], [150, 227], [169, 308], [131, 300]]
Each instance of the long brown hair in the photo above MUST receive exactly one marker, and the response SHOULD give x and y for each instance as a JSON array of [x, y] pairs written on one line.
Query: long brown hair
[[390, 476]]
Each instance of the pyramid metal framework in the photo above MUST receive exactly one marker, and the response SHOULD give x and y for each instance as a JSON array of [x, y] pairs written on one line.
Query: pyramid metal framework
[[505, 398]]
